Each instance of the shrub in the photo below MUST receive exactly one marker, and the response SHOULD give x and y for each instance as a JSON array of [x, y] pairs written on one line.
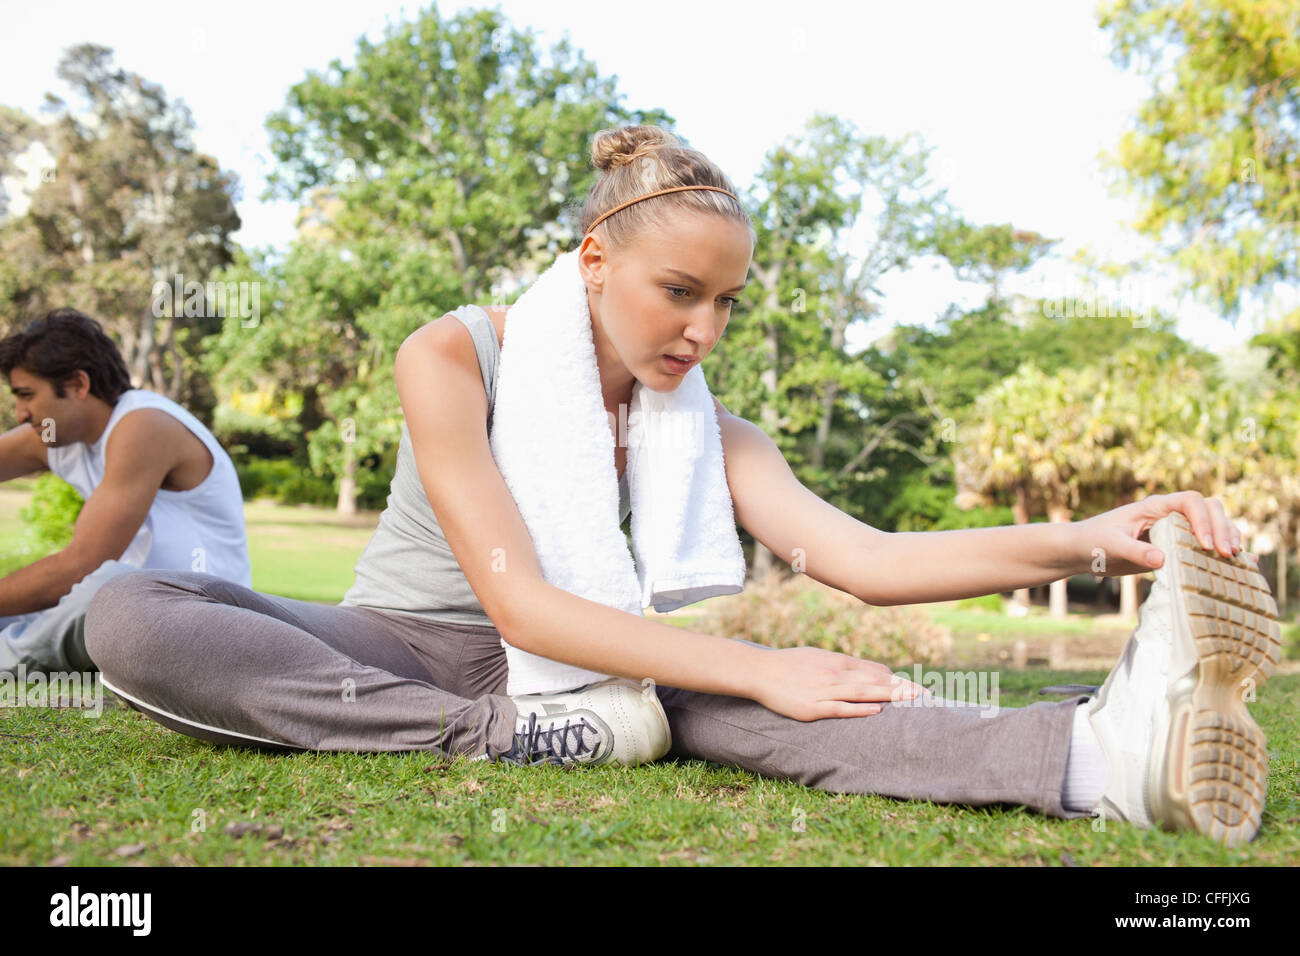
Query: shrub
[[798, 611], [291, 483], [284, 480], [304, 488], [259, 431], [51, 514]]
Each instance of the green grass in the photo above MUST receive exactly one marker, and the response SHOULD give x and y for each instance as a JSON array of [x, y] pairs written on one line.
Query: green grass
[[1036, 623], [123, 789], [307, 553], [304, 552]]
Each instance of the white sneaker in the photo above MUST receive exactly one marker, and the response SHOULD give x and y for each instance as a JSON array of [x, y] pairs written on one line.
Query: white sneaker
[[1181, 749], [614, 721]]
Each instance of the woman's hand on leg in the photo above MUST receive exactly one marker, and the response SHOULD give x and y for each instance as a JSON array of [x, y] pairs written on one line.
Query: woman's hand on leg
[[808, 683]]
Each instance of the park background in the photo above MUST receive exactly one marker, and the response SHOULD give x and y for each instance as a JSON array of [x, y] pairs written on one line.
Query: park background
[[1016, 262]]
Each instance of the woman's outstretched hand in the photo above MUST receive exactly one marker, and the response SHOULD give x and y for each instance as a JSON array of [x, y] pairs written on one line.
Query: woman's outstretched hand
[[1120, 539], [808, 683]]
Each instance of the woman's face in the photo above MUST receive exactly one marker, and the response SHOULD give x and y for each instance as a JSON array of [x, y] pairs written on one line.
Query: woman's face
[[670, 293]]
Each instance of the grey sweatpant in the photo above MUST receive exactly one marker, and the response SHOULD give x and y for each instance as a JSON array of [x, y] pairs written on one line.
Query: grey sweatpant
[[220, 662]]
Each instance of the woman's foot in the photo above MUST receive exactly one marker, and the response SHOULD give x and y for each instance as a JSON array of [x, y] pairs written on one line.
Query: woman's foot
[[615, 721], [1181, 749]]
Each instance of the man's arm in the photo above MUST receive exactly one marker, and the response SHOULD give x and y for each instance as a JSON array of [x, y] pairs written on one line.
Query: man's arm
[[141, 450], [21, 453]]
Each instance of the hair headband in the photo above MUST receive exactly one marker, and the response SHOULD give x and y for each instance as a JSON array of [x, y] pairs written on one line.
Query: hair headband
[[660, 192]]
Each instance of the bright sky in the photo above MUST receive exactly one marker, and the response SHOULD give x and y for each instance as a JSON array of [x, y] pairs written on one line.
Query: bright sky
[[1017, 97]]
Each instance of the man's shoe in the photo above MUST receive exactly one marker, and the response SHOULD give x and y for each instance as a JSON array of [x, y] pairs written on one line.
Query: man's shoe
[[614, 721], [1181, 748]]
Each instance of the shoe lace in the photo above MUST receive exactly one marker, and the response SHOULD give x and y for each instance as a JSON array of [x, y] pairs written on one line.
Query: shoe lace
[[551, 744]]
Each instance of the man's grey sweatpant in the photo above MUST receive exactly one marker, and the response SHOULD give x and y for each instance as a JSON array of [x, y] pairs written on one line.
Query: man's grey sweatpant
[[218, 661], [54, 639]]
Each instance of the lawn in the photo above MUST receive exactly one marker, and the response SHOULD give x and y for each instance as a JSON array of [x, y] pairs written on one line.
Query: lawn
[[299, 552], [121, 789], [304, 552]]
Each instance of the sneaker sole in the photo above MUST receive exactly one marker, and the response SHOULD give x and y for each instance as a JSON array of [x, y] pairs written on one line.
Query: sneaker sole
[[1212, 776]]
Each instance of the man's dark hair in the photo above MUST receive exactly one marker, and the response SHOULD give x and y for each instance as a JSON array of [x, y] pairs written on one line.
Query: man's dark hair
[[59, 343]]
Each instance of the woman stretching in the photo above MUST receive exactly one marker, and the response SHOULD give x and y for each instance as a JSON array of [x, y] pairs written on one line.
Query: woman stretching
[[412, 658]]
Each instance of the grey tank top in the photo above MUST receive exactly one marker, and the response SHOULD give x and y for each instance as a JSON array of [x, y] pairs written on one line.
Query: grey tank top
[[408, 568]]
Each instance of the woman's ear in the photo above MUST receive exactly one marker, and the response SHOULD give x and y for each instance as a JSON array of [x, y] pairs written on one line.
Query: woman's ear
[[591, 264]]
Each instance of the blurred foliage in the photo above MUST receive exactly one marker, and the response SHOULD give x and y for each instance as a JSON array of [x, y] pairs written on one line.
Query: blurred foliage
[[985, 602], [797, 611], [51, 514], [1213, 152], [127, 205], [284, 480]]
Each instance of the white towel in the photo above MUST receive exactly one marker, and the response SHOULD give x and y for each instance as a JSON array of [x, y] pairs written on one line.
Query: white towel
[[552, 442]]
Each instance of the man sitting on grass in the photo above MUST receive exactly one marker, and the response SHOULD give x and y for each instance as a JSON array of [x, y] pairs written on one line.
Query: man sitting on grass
[[160, 491]]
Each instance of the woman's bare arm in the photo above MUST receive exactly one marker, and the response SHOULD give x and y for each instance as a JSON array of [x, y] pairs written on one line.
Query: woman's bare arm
[[443, 398], [554, 623], [890, 568]]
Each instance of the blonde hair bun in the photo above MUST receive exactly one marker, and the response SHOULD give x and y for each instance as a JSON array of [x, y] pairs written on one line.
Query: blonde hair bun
[[647, 175], [613, 148]]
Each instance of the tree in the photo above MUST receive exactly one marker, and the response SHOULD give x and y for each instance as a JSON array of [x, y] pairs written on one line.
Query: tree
[[432, 172], [18, 131], [452, 134], [1263, 442], [1281, 339], [1214, 151], [130, 205], [1093, 437], [935, 374], [1174, 414], [989, 254], [1040, 439], [783, 363], [336, 315]]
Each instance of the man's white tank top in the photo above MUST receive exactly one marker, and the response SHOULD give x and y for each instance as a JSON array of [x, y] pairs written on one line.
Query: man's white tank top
[[201, 529]]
